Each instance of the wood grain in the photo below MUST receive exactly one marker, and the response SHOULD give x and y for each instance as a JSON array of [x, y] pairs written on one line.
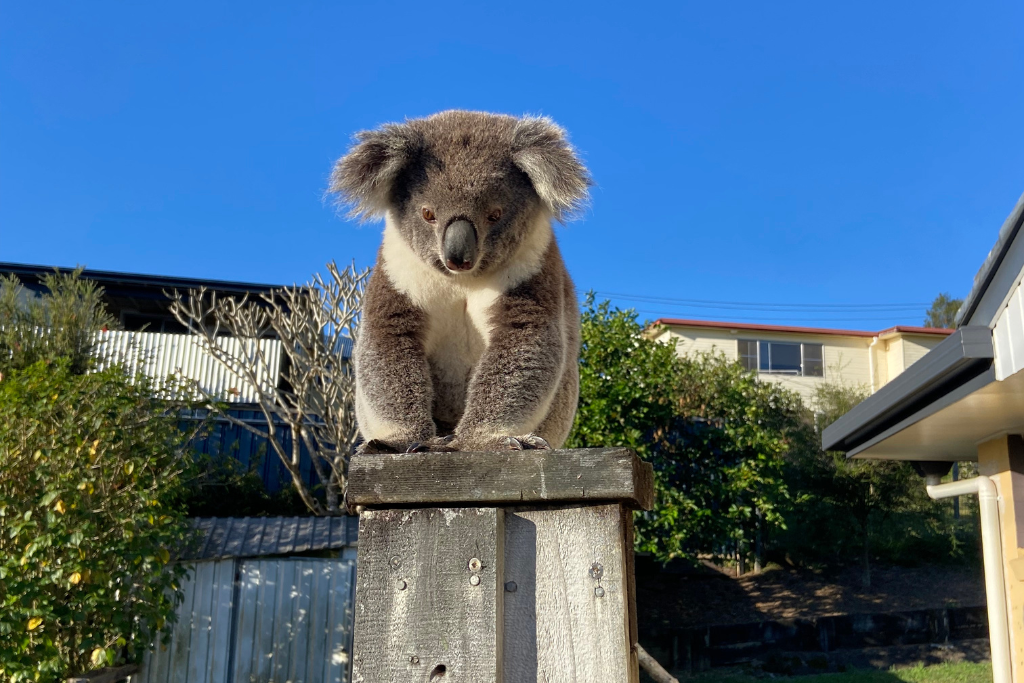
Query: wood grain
[[424, 610], [497, 478], [567, 596]]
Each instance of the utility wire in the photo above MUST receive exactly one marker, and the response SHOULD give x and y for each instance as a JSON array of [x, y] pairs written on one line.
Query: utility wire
[[752, 305], [743, 319]]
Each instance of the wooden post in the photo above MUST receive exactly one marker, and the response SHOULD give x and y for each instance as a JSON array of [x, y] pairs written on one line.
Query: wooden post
[[510, 567]]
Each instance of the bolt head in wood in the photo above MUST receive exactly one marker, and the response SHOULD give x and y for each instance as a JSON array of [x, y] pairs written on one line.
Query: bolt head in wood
[[395, 562], [474, 580], [474, 565], [599, 592], [511, 587], [596, 571], [414, 660], [402, 585]]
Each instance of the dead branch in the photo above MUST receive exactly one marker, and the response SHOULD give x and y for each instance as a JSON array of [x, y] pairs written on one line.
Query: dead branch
[[317, 324]]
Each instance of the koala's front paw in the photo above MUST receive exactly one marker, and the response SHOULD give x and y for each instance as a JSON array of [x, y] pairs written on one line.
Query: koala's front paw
[[526, 443], [375, 446], [438, 444]]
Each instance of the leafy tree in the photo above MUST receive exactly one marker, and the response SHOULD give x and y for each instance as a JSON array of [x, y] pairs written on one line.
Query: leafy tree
[[943, 311], [60, 324], [715, 435], [842, 499], [90, 484]]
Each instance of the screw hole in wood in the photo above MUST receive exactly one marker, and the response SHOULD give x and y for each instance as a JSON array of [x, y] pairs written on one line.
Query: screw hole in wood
[[438, 673]]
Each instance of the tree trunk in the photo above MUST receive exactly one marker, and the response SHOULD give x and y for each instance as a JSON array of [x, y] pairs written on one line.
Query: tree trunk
[[956, 499], [866, 576], [758, 542]]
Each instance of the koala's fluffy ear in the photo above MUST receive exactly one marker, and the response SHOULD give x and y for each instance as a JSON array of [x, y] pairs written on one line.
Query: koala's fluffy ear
[[364, 178], [542, 152]]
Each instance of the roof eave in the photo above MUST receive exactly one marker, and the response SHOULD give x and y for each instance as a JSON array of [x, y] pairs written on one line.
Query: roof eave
[[959, 358]]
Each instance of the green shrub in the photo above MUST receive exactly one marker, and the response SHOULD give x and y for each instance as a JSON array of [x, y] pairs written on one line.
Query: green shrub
[[62, 323], [90, 511], [715, 434]]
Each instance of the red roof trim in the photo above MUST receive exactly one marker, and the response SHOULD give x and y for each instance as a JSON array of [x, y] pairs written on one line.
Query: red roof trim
[[715, 324]]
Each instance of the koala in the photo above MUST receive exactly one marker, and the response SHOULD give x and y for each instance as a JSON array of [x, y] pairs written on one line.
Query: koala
[[470, 331]]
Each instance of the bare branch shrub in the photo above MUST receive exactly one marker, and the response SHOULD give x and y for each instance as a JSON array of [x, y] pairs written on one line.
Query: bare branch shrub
[[316, 324]]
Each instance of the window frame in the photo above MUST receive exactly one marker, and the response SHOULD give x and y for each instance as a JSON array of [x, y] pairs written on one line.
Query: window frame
[[762, 359]]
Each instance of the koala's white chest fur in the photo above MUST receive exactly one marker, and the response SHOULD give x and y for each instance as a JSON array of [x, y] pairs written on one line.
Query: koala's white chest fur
[[458, 309]]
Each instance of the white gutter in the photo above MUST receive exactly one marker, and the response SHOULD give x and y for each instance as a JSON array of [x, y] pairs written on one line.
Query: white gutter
[[991, 544], [871, 362]]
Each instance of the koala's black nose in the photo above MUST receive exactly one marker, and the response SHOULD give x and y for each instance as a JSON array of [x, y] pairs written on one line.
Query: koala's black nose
[[460, 245]]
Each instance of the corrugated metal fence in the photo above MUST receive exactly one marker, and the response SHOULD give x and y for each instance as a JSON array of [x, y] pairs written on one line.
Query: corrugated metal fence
[[260, 621], [252, 619], [158, 354]]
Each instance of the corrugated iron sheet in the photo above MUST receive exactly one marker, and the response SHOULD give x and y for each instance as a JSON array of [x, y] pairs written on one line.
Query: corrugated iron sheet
[[258, 621], [295, 620], [224, 537], [159, 354], [199, 646]]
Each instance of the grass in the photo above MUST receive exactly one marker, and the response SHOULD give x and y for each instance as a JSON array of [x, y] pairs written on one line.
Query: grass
[[964, 672]]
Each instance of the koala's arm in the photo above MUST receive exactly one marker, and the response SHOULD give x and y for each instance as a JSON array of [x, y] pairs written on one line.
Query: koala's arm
[[393, 384], [518, 375]]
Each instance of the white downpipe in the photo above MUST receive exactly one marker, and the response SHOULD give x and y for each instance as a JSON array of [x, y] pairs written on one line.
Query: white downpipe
[[871, 363], [992, 550]]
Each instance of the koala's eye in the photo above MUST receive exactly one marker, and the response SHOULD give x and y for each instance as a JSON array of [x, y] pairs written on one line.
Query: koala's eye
[[493, 216], [429, 216]]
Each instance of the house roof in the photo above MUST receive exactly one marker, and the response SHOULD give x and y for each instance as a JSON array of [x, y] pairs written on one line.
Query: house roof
[[135, 293], [911, 396], [950, 398], [996, 256], [108, 278], [725, 325], [223, 537]]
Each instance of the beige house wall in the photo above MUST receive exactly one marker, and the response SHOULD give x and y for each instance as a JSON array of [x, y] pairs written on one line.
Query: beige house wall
[[848, 359], [915, 346]]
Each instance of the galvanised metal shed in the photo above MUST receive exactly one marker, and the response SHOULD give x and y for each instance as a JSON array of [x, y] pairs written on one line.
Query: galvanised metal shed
[[269, 599]]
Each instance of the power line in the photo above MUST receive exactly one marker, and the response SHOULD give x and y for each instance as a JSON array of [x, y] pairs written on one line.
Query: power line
[[752, 305], [742, 319]]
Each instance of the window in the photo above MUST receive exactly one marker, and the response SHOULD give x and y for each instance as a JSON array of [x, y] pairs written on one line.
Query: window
[[748, 354], [814, 360], [782, 358]]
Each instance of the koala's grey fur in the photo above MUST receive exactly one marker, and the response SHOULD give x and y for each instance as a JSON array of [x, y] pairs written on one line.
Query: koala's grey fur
[[469, 343]]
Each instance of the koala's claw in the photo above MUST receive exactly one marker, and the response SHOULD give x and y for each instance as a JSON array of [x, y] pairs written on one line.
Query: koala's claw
[[527, 443], [417, 447], [376, 446]]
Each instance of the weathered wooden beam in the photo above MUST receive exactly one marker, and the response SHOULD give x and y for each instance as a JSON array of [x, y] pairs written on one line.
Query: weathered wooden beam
[[428, 604], [567, 595], [653, 668], [501, 478], [106, 675]]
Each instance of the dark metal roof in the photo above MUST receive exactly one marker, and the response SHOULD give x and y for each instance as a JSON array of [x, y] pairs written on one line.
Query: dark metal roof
[[961, 357], [136, 300], [109, 278], [224, 537], [995, 257]]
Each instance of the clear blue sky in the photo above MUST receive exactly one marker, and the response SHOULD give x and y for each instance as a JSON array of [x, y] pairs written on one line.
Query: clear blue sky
[[790, 153]]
